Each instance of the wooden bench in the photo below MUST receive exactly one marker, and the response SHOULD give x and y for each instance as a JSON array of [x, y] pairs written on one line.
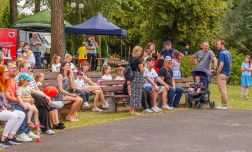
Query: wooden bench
[[183, 83], [114, 89]]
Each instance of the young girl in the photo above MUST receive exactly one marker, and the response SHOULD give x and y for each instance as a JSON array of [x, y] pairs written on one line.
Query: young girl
[[120, 74], [25, 99], [246, 81], [39, 78], [55, 63], [176, 65], [106, 70]]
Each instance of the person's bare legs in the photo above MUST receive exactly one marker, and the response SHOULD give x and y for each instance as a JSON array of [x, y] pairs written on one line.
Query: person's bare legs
[[36, 116], [54, 117], [164, 91], [76, 102], [154, 96]]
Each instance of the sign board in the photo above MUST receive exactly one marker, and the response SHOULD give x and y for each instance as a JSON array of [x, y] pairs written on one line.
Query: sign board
[[8, 41]]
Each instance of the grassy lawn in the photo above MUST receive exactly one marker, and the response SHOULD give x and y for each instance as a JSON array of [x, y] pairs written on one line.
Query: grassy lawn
[[234, 101]]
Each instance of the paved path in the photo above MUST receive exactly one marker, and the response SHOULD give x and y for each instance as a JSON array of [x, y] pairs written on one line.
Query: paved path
[[182, 131]]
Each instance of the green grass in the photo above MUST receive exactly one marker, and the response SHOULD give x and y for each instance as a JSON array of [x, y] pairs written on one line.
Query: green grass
[[234, 99], [87, 118]]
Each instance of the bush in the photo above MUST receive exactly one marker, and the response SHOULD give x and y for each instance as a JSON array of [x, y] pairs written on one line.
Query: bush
[[186, 67], [235, 74]]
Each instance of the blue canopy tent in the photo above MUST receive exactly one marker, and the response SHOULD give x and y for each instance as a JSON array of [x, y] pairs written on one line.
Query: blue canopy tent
[[97, 25]]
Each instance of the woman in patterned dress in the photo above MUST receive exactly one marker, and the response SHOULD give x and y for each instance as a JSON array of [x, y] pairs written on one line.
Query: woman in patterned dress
[[136, 85], [65, 81]]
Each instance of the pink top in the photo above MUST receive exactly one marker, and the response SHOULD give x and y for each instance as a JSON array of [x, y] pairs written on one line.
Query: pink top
[[175, 64]]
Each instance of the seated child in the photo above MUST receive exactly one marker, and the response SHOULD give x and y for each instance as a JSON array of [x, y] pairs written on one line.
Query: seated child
[[39, 78], [79, 82], [196, 87], [120, 74], [106, 70], [25, 99]]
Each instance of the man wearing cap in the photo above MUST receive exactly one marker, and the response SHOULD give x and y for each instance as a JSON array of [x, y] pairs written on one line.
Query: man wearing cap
[[167, 49], [205, 57], [151, 76], [35, 47], [174, 93]]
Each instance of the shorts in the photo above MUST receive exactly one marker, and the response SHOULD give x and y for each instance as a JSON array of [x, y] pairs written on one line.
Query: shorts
[[149, 87]]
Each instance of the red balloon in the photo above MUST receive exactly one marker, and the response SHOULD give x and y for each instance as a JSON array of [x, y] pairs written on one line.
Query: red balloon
[[51, 91]]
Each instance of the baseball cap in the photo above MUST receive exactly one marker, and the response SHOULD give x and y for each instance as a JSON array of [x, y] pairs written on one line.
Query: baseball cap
[[168, 42], [25, 76], [167, 58]]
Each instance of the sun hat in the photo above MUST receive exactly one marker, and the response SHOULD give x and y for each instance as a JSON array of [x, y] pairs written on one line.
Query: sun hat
[[25, 76]]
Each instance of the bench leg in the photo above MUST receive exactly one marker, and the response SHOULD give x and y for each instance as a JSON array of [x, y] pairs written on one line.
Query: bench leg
[[112, 105]]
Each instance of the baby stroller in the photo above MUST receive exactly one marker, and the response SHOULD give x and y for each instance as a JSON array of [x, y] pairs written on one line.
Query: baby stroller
[[203, 97]]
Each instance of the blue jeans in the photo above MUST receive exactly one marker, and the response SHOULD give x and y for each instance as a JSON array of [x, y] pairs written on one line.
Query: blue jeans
[[23, 128], [84, 94], [37, 56], [174, 96]]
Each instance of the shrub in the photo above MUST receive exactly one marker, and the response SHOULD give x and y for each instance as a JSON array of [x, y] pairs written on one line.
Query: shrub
[[186, 67], [235, 74]]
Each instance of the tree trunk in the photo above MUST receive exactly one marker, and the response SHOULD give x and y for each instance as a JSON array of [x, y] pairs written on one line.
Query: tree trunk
[[175, 28], [13, 11], [58, 29], [37, 6]]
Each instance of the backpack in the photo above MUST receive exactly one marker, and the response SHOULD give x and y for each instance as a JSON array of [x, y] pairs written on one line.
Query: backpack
[[128, 73]]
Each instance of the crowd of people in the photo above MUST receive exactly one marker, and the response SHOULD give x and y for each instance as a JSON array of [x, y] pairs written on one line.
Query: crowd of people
[[24, 106]]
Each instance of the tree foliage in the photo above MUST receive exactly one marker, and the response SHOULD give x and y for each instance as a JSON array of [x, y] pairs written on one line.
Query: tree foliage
[[237, 26]]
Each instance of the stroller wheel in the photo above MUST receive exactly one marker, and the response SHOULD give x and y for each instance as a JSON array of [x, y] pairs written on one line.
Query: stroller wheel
[[189, 104], [212, 105]]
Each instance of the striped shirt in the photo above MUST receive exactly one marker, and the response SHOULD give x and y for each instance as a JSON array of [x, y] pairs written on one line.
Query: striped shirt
[[32, 83]]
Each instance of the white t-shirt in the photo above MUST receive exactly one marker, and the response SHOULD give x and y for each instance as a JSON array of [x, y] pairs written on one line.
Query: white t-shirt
[[106, 77], [80, 83], [150, 73], [119, 78], [56, 67], [31, 58]]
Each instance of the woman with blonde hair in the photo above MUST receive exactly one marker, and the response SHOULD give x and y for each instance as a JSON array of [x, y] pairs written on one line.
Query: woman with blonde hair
[[55, 63], [136, 84]]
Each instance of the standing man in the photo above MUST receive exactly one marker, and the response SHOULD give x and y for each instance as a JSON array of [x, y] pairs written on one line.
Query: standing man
[[167, 49], [205, 57], [35, 47], [223, 72]]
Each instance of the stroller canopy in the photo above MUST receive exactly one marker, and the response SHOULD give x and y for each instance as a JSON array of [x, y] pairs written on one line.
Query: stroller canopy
[[202, 72]]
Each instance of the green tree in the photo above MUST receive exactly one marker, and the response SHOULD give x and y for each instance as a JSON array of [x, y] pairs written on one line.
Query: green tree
[[237, 26]]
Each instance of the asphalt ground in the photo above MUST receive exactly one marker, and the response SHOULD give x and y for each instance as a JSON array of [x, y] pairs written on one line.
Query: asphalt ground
[[180, 131]]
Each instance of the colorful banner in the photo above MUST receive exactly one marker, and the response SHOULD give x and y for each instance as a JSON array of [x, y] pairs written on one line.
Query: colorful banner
[[8, 41]]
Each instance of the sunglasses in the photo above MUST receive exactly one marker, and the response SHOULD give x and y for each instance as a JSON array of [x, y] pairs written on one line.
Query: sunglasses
[[29, 68]]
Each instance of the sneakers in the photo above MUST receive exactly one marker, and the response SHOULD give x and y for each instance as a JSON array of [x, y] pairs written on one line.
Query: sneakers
[[154, 109], [49, 132], [148, 111], [158, 109], [32, 135], [96, 109], [14, 141], [105, 105], [222, 107], [166, 107], [5, 144], [24, 137], [85, 105]]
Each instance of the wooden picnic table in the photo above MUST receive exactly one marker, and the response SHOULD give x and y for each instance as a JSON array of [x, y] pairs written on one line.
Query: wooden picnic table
[[117, 63]]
